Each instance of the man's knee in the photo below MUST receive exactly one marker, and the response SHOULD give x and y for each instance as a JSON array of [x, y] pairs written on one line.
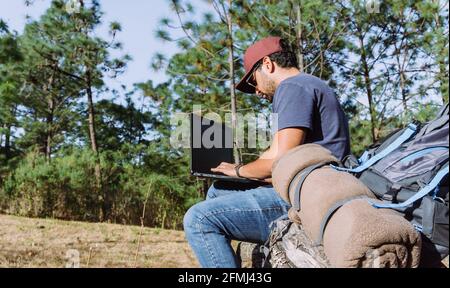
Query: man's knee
[[193, 216]]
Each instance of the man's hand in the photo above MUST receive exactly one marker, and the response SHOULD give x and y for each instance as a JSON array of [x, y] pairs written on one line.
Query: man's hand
[[226, 168], [261, 169]]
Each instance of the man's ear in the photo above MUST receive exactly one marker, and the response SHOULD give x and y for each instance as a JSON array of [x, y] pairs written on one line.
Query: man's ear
[[268, 64]]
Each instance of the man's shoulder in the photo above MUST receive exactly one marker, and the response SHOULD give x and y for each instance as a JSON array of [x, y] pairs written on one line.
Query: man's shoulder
[[302, 78], [306, 81]]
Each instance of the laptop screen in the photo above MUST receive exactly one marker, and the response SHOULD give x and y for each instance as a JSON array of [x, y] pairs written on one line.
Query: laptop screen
[[211, 144]]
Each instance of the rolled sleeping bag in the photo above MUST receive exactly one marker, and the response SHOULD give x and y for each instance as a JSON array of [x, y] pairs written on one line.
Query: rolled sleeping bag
[[317, 199], [359, 235], [321, 189], [287, 167]]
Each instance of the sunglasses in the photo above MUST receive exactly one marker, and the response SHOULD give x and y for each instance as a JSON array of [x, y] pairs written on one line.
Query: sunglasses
[[252, 79]]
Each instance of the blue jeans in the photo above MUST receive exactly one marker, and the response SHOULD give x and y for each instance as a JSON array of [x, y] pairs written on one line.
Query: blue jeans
[[231, 211]]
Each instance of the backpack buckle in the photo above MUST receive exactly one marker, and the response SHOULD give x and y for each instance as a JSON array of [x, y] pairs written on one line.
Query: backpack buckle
[[391, 195]]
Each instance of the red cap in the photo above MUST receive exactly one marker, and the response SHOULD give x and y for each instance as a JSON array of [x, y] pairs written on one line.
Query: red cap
[[254, 53]]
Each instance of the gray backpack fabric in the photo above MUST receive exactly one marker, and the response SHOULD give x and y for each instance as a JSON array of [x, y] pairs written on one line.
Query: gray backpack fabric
[[408, 170]]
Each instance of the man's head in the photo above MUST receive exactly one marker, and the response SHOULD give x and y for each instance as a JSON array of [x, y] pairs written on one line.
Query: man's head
[[266, 63]]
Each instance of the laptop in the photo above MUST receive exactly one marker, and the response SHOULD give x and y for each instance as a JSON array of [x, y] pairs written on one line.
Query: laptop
[[211, 144]]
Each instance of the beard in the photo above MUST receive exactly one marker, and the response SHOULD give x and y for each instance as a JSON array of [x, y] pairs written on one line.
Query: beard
[[268, 88]]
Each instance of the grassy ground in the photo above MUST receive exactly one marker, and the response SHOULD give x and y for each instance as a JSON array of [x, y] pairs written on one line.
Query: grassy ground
[[43, 243]]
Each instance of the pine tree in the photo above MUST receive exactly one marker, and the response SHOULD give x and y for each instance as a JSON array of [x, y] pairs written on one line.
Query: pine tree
[[68, 62], [434, 42], [10, 58]]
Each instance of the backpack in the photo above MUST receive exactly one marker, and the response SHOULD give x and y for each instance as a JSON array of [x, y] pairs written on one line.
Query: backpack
[[408, 170]]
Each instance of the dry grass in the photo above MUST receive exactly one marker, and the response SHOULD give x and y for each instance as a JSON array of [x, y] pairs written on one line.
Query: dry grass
[[45, 243]]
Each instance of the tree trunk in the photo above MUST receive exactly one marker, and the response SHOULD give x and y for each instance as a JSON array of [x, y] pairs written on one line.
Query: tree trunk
[[50, 116], [403, 88], [103, 212], [300, 56], [237, 158], [368, 84], [401, 65], [7, 141], [94, 147], [91, 111], [402, 80]]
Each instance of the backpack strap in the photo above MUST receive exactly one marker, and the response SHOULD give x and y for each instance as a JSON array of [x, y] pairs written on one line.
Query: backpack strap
[[435, 124], [330, 212], [423, 192], [444, 111], [364, 157], [303, 175], [430, 187], [439, 121], [410, 130]]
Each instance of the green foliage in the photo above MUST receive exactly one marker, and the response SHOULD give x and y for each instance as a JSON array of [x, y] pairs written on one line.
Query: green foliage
[[66, 189], [39, 189]]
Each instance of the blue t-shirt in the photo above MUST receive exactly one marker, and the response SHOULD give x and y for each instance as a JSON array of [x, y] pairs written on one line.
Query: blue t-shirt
[[308, 102]]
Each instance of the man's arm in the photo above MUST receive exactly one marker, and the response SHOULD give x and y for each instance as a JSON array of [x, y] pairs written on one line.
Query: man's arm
[[261, 169]]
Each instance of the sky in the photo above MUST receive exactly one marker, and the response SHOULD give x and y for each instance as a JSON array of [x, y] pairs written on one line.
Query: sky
[[139, 20]]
